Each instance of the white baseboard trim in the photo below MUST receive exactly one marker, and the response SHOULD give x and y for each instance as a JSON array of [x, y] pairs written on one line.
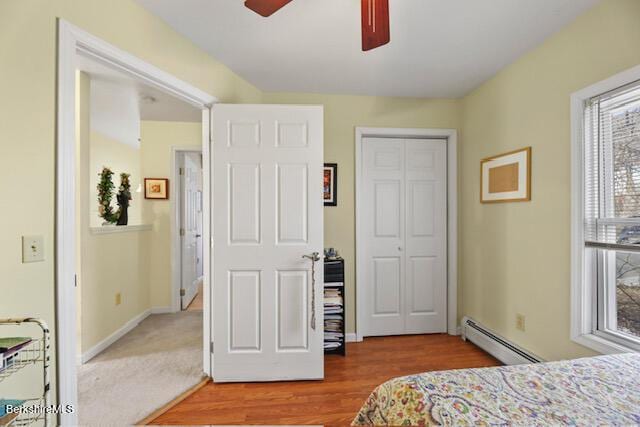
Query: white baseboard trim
[[350, 337], [102, 345], [161, 310]]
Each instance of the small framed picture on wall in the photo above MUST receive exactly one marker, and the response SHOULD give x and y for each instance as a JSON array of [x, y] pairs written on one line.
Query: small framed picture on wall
[[156, 188], [330, 184]]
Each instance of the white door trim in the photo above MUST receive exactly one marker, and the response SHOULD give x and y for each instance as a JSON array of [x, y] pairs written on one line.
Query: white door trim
[[176, 247], [451, 137], [72, 41]]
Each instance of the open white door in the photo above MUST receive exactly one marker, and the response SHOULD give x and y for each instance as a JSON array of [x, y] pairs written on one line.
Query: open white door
[[191, 184], [267, 214]]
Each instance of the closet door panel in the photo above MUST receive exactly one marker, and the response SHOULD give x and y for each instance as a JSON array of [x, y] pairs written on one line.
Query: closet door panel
[[426, 236], [383, 224]]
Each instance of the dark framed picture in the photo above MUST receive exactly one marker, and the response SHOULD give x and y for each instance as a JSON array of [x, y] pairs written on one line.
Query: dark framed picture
[[156, 188], [330, 184]]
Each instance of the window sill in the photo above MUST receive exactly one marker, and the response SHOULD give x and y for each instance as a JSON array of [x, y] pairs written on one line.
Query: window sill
[[601, 345], [110, 229]]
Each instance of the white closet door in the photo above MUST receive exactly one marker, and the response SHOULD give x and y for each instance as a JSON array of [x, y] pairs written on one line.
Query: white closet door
[[383, 226], [404, 198], [426, 236]]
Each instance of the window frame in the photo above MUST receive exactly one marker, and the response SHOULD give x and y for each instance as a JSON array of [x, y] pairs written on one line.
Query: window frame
[[584, 260]]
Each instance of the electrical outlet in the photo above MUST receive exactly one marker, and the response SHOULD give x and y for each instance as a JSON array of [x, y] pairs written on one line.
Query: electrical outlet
[[520, 322], [118, 298], [32, 249]]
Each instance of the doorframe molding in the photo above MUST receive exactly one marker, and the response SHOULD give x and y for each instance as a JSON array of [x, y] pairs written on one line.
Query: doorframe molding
[[176, 248], [72, 41], [450, 136]]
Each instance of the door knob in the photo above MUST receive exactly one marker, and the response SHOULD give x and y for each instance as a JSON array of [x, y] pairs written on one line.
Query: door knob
[[315, 256]]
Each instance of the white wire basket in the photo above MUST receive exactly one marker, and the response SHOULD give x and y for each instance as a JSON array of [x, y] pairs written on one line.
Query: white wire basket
[[33, 410], [30, 354]]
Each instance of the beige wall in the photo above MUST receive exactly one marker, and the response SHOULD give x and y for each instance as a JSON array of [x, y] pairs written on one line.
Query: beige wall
[[108, 264], [112, 263], [342, 115], [157, 140], [27, 120], [515, 256]]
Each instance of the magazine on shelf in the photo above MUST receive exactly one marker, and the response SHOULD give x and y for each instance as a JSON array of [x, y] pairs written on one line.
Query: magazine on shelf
[[11, 345], [331, 345], [336, 284]]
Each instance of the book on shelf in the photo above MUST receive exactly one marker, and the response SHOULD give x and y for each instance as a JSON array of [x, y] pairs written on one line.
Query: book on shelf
[[335, 284], [9, 347], [13, 344], [333, 301], [331, 345], [332, 323], [333, 317], [333, 336]]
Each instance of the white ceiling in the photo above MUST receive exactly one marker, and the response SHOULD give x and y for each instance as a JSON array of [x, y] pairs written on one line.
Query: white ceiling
[[439, 48], [153, 104]]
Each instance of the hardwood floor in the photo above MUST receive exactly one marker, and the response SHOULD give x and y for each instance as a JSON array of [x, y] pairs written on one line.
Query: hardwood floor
[[336, 400]]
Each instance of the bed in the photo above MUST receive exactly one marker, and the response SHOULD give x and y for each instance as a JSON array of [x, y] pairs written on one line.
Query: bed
[[601, 390]]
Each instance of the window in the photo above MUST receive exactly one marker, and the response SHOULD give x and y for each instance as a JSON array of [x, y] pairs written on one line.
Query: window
[[611, 214]]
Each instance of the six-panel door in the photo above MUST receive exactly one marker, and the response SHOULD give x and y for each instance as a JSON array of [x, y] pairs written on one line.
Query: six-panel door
[[404, 224], [267, 214]]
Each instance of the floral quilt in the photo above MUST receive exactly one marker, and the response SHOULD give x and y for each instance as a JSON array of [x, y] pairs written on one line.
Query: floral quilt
[[593, 391]]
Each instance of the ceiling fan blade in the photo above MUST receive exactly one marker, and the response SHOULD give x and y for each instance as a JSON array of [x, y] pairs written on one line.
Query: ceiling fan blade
[[375, 24], [265, 7]]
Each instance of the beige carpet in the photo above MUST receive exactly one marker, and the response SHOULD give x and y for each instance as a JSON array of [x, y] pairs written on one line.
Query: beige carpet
[[147, 368]]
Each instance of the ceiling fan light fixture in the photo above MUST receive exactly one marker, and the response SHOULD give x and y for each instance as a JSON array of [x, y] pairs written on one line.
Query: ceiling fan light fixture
[[375, 24], [375, 18], [266, 7]]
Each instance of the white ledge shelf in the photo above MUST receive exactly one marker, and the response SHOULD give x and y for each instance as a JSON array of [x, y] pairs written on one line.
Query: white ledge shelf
[[109, 229]]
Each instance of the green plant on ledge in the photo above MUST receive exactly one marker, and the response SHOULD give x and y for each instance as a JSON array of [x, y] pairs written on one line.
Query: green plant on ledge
[[105, 194]]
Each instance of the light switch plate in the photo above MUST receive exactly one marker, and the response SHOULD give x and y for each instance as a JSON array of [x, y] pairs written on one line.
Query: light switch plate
[[32, 249]]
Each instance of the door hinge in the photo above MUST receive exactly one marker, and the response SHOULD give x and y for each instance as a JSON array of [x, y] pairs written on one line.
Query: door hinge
[[75, 280], [181, 171], [182, 231], [182, 292], [212, 347]]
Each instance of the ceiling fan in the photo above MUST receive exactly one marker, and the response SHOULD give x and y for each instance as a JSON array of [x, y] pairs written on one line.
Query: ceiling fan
[[375, 18]]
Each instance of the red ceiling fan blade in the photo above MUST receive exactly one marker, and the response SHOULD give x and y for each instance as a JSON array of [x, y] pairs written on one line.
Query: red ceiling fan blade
[[265, 7], [375, 24]]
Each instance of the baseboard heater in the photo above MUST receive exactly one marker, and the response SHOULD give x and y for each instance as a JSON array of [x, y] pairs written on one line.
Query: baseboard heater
[[497, 346]]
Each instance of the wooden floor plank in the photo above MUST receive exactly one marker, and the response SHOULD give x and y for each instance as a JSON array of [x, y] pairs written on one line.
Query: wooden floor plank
[[337, 399]]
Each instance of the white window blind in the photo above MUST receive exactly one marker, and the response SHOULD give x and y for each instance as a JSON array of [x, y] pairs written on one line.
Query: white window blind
[[612, 169]]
